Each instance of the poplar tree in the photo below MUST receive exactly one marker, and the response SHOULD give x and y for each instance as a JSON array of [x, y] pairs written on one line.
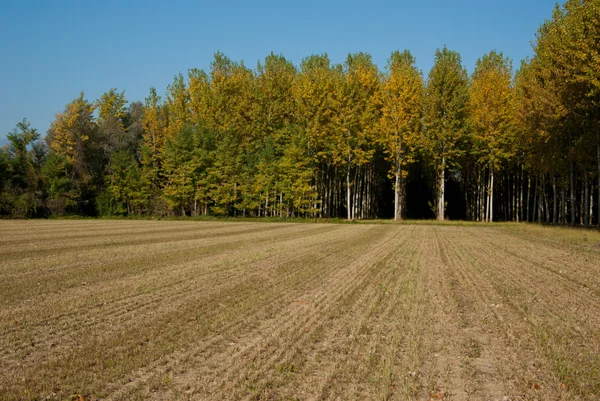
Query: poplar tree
[[492, 116], [315, 111], [199, 96], [356, 120], [274, 127], [112, 121], [150, 153], [69, 138], [155, 125], [177, 106], [232, 100], [112, 105], [402, 97], [446, 112]]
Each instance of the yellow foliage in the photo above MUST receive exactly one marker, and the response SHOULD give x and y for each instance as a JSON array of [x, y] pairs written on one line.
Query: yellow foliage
[[492, 109], [401, 111], [71, 129]]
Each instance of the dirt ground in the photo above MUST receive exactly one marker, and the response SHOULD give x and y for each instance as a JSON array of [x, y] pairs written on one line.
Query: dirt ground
[[166, 310]]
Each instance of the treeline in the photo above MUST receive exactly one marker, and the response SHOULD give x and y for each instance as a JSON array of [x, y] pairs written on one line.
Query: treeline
[[333, 140]]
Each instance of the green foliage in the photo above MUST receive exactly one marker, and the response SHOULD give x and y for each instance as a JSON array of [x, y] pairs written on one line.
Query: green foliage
[[20, 175], [63, 195], [225, 174], [446, 109], [187, 160], [123, 194], [296, 173]]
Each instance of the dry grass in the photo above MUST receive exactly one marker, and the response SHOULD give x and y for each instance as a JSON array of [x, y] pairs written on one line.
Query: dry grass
[[136, 310]]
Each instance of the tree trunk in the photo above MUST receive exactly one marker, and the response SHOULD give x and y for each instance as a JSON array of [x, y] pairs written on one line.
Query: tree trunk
[[441, 187], [398, 176], [348, 195], [514, 216], [554, 202], [582, 206], [586, 205], [397, 195], [491, 219], [468, 202], [486, 214], [478, 197], [591, 202], [542, 199], [355, 193], [281, 204], [502, 197], [483, 196], [546, 206], [563, 205], [528, 197], [572, 200], [535, 199], [520, 206]]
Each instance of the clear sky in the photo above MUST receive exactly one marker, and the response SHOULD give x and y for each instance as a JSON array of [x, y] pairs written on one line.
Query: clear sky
[[52, 50]]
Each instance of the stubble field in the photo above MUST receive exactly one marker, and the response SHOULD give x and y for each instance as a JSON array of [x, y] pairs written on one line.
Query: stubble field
[[137, 310]]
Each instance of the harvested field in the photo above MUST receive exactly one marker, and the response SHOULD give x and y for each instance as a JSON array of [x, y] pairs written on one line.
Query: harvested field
[[137, 310]]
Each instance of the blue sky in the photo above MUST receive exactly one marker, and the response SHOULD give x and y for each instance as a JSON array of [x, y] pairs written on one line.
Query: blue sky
[[52, 50]]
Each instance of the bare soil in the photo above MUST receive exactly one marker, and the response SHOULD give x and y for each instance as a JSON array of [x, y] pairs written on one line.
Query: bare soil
[[138, 310]]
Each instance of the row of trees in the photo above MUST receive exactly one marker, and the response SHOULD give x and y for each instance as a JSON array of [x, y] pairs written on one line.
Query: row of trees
[[333, 140], [559, 109]]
